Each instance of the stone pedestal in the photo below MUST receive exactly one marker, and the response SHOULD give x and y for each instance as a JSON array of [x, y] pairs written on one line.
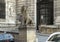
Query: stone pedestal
[[26, 34], [31, 34], [22, 36]]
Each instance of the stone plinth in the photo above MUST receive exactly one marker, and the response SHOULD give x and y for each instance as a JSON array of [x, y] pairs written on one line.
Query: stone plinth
[[31, 34]]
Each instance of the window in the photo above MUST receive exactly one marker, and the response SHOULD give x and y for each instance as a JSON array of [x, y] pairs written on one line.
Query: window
[[46, 10], [2, 9]]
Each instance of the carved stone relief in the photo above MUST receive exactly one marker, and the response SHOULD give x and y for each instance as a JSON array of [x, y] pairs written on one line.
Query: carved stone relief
[[11, 12]]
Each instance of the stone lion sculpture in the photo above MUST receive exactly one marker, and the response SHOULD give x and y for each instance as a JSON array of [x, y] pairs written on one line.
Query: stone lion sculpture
[[26, 18]]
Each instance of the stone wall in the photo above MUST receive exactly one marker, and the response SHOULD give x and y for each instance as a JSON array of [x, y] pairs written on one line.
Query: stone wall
[[10, 19]]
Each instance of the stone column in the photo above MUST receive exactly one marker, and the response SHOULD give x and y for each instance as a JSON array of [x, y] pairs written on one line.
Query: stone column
[[11, 11], [57, 12]]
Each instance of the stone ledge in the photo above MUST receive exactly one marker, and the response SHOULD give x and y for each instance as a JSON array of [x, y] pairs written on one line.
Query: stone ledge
[[7, 25], [49, 26], [10, 31], [31, 27], [27, 26]]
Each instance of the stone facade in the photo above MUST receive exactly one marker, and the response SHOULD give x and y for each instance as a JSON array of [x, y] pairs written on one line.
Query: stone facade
[[12, 21], [55, 27], [9, 22]]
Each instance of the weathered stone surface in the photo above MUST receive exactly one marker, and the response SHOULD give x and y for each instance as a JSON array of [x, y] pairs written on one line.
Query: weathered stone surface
[[57, 12], [11, 11], [31, 34]]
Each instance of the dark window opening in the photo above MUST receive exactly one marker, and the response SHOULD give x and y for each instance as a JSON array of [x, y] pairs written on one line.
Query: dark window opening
[[2, 9], [44, 12]]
